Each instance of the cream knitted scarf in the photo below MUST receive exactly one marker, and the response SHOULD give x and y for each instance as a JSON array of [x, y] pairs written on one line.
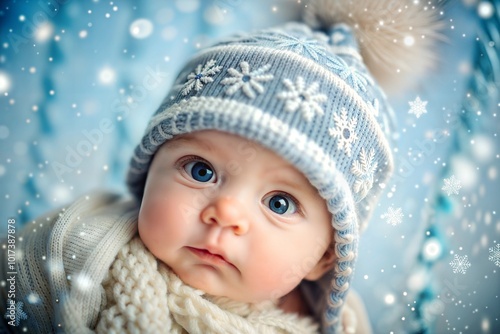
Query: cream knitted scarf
[[145, 296]]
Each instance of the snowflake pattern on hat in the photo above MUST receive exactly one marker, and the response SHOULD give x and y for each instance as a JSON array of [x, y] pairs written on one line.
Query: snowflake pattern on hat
[[293, 37], [375, 106], [247, 81], [201, 76], [299, 97], [363, 169], [355, 78], [344, 130], [300, 45]]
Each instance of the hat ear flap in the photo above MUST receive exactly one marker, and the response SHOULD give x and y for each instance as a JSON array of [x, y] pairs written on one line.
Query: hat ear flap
[[324, 265]]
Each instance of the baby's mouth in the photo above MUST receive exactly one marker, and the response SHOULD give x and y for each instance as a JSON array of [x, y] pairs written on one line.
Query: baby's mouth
[[208, 256]]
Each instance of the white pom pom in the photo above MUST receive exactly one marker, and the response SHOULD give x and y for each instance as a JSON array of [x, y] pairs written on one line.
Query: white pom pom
[[395, 36]]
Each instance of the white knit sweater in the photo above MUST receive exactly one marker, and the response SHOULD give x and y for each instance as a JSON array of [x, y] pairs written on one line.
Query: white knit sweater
[[63, 263], [61, 260]]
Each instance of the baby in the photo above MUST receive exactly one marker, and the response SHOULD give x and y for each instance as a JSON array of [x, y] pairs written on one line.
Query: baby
[[250, 186], [233, 219], [245, 225]]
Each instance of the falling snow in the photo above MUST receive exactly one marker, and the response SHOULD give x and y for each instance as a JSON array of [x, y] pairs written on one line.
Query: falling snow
[[417, 107], [4, 82], [473, 215], [451, 185], [107, 75], [495, 255], [460, 264], [33, 298], [141, 28], [393, 216]]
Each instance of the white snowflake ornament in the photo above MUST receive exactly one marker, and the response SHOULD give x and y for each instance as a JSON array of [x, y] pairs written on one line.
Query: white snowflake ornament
[[495, 255], [460, 264], [247, 81], [417, 107], [452, 185], [298, 97], [393, 216], [363, 169], [344, 130], [201, 76]]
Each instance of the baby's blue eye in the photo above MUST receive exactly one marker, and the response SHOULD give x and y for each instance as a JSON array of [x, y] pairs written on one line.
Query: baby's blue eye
[[281, 204], [199, 171]]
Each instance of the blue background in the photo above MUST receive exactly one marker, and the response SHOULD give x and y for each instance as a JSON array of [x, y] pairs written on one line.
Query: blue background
[[66, 69]]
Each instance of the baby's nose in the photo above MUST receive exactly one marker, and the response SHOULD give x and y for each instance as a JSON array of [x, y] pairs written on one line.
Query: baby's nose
[[226, 212]]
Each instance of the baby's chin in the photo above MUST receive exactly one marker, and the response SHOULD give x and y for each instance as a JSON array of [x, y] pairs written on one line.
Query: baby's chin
[[217, 289], [207, 280]]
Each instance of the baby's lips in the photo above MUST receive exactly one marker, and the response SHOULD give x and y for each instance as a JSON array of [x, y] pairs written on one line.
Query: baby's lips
[[209, 253]]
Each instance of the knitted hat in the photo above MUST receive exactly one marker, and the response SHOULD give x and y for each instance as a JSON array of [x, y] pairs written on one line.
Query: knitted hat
[[306, 95]]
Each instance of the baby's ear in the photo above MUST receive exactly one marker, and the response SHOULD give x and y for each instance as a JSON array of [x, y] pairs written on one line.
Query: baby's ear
[[324, 264]]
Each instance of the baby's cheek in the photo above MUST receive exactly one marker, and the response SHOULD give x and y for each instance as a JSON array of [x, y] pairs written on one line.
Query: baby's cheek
[[146, 222], [145, 232], [274, 279], [152, 226]]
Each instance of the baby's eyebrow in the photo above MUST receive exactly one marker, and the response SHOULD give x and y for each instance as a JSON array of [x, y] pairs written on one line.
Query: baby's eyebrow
[[180, 142], [289, 176]]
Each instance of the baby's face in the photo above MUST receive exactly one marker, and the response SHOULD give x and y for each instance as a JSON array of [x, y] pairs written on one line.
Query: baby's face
[[232, 218]]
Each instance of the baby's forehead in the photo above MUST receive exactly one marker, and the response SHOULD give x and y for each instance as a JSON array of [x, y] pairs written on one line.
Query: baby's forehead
[[215, 140], [212, 135]]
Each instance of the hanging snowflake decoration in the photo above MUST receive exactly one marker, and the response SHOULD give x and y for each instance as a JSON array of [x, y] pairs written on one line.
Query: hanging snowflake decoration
[[18, 313], [247, 81], [393, 217], [201, 76], [451, 185], [495, 255], [353, 76], [344, 130], [299, 97], [417, 107], [460, 264], [363, 169]]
